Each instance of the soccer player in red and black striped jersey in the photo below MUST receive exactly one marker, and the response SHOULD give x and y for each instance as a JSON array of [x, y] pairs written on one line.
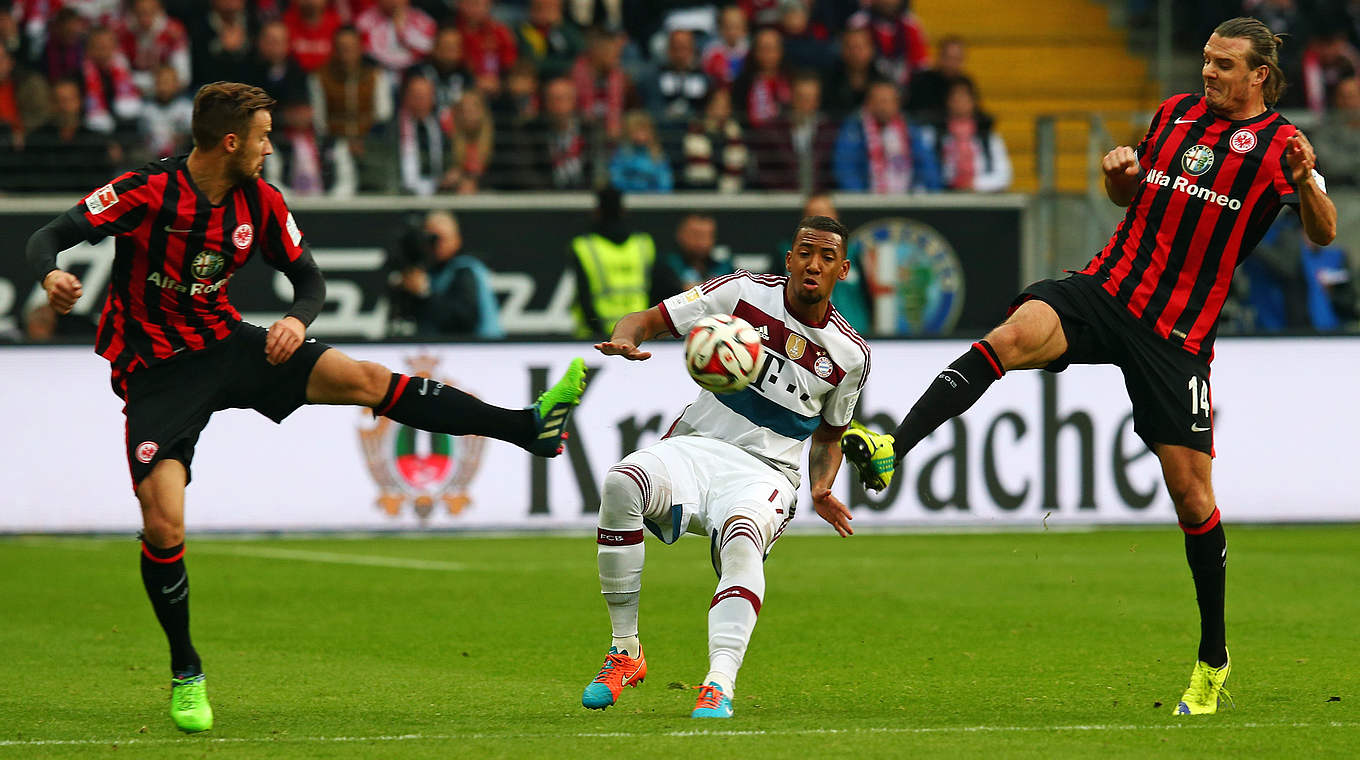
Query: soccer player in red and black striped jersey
[[1201, 189], [180, 351]]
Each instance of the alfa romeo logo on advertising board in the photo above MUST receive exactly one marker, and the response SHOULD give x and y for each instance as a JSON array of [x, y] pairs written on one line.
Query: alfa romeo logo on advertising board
[[925, 280]]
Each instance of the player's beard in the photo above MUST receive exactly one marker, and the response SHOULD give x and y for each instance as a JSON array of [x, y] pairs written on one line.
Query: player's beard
[[243, 171]]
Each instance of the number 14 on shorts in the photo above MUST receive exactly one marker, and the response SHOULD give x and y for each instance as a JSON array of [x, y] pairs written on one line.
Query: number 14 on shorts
[[1199, 402]]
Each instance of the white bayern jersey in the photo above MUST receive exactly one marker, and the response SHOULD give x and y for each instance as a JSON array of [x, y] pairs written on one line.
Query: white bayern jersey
[[810, 373]]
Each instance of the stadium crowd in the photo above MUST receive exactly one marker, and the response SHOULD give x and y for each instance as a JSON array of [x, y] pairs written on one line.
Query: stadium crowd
[[463, 96]]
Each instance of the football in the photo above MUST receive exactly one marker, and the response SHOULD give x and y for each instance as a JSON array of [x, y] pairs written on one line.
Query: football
[[723, 353]]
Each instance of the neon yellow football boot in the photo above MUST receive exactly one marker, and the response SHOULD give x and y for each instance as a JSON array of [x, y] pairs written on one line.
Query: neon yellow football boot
[[189, 707], [871, 454], [1206, 687], [553, 409]]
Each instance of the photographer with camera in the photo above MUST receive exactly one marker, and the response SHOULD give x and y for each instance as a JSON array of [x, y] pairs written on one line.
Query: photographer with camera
[[436, 290]]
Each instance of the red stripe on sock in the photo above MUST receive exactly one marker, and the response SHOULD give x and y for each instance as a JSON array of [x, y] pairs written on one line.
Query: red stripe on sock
[[735, 591], [396, 394], [146, 551], [1202, 528], [618, 537], [988, 355]]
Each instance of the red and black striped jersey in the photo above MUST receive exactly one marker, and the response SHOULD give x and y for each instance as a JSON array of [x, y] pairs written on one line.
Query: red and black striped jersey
[[174, 254], [1210, 189]]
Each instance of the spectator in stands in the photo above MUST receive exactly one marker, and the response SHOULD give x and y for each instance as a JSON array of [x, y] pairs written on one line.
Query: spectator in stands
[[12, 37], [715, 152], [273, 69], [613, 267], [396, 35], [971, 154], [415, 143], [112, 101], [446, 68], [804, 46], [764, 13], [437, 291], [844, 85], [761, 92], [694, 260], [898, 38], [517, 105], [585, 14], [349, 95], [64, 155], [24, 97], [220, 42], [930, 88], [678, 92], [1327, 59], [878, 152], [794, 152], [547, 40], [724, 57], [488, 46], [472, 143], [558, 151], [306, 163], [149, 39], [64, 53], [311, 27], [603, 90], [639, 165], [167, 115], [1337, 138]]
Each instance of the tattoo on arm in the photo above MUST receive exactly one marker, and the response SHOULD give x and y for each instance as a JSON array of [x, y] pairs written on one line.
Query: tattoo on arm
[[824, 459]]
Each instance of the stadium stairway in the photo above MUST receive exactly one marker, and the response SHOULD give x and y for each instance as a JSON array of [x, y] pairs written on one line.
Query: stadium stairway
[[1059, 57]]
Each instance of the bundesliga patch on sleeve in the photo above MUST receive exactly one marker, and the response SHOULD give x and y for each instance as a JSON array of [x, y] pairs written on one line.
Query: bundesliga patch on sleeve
[[293, 231], [101, 200], [689, 296]]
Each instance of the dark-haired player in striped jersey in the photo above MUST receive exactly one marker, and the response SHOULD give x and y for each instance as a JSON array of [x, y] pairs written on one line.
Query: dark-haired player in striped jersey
[[180, 351], [1201, 189]]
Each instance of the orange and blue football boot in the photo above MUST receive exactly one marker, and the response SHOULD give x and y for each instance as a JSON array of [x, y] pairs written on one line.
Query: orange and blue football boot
[[618, 671], [713, 703]]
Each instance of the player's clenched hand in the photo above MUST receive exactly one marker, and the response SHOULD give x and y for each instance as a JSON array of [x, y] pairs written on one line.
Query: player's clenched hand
[[285, 336], [622, 348], [1121, 161], [63, 290], [1298, 153], [832, 510]]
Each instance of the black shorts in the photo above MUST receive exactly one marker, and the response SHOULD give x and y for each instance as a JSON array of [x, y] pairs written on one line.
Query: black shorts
[[1168, 386], [169, 404]]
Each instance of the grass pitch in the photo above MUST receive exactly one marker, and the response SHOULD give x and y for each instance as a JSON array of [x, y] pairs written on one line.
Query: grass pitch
[[1050, 644]]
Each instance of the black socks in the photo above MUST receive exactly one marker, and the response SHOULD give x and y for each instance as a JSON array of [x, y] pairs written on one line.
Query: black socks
[[430, 405], [1206, 551], [952, 392], [167, 585]]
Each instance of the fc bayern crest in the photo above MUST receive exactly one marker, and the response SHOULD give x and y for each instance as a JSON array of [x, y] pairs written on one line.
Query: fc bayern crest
[[1197, 159], [823, 367], [416, 467], [207, 264], [916, 268], [1242, 141], [243, 236]]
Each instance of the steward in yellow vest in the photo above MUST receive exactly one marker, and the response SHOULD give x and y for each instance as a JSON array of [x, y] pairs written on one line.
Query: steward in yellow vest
[[613, 269]]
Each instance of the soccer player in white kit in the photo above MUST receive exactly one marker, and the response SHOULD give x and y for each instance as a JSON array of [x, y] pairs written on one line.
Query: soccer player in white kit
[[729, 466]]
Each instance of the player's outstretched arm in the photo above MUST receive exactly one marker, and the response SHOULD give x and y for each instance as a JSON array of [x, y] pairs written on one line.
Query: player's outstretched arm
[[1316, 210], [824, 461], [631, 331], [1122, 173]]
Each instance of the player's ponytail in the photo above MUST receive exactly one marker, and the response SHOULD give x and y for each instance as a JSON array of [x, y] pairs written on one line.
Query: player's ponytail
[[1265, 51]]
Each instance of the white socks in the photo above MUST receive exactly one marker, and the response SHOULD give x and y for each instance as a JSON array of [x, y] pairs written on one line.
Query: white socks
[[732, 615], [627, 496]]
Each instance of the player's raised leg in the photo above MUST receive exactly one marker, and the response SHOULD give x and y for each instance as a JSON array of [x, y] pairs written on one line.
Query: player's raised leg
[[1189, 481], [430, 405], [167, 585], [733, 611], [1030, 338], [635, 489]]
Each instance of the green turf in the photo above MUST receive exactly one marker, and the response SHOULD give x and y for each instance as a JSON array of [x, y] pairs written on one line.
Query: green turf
[[1050, 644]]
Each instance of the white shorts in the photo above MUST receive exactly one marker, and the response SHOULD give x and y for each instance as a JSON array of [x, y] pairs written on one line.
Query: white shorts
[[708, 482]]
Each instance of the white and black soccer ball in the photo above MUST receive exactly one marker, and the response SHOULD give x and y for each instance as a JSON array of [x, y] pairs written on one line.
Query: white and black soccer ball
[[723, 353]]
